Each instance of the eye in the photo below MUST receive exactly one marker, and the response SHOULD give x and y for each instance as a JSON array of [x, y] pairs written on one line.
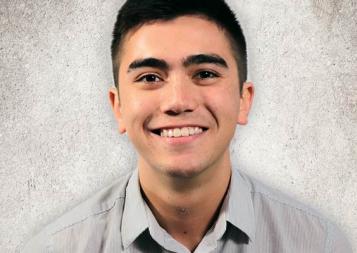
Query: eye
[[206, 74], [149, 78]]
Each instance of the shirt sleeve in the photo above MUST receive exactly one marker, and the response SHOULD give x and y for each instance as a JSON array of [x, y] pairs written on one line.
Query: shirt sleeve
[[337, 241]]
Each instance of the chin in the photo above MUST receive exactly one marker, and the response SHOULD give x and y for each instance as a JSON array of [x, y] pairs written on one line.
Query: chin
[[183, 172]]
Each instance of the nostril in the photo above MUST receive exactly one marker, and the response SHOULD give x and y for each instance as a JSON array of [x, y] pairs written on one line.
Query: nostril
[[173, 112]]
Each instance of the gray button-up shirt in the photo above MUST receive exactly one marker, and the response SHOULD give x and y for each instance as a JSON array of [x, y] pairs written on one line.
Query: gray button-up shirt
[[253, 218]]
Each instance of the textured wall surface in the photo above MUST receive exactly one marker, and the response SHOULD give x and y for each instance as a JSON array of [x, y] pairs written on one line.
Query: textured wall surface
[[58, 139]]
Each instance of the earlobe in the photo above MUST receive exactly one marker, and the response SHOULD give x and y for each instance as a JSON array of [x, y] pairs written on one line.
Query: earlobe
[[115, 104], [245, 103]]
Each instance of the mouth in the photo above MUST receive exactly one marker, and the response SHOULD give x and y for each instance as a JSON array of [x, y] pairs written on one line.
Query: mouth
[[177, 132]]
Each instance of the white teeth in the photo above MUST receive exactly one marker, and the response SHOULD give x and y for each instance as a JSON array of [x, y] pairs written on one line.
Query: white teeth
[[181, 132], [177, 132], [184, 131]]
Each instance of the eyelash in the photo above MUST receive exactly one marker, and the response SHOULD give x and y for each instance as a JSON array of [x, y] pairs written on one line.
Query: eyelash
[[210, 73], [196, 76], [142, 78]]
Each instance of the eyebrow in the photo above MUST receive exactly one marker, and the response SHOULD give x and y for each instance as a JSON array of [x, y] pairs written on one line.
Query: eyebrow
[[148, 62], [205, 58], [190, 60]]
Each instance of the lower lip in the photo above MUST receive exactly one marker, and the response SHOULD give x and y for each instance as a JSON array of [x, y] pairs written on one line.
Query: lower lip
[[180, 140]]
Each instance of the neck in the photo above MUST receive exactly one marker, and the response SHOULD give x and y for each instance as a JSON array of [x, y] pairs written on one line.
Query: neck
[[185, 207]]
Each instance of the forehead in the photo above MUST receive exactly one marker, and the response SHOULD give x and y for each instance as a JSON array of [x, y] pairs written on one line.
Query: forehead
[[176, 39]]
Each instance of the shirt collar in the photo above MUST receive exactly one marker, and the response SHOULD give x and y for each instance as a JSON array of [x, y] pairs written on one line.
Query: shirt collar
[[237, 208], [134, 216], [240, 210]]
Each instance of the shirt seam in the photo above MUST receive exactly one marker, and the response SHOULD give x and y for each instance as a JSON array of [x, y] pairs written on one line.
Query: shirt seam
[[88, 216], [303, 210], [323, 221], [327, 240]]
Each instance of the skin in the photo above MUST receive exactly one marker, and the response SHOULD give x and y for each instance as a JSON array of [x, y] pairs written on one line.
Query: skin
[[183, 179]]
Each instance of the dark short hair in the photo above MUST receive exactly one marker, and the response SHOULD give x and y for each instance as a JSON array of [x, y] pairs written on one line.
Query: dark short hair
[[135, 13]]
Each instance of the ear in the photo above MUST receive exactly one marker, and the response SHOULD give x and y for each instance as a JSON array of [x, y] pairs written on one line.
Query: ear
[[245, 103], [115, 104]]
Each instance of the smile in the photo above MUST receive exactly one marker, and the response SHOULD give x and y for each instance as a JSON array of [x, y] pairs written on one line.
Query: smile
[[179, 132]]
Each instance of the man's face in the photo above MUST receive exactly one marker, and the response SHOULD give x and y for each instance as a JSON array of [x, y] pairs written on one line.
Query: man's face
[[179, 96]]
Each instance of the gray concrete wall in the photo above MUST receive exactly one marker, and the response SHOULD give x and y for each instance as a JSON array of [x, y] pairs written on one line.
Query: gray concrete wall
[[58, 139]]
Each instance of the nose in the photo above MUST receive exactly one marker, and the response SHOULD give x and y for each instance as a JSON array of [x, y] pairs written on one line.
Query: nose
[[179, 96]]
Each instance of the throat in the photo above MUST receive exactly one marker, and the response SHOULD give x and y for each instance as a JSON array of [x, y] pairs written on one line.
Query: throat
[[187, 224], [186, 212]]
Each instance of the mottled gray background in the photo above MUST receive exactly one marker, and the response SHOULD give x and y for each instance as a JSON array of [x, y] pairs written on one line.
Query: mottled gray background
[[59, 141]]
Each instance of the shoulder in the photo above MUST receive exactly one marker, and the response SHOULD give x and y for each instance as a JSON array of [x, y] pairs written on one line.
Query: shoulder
[[87, 216], [264, 196], [290, 221]]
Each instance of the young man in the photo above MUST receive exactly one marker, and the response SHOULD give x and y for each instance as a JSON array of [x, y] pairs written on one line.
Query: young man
[[180, 74]]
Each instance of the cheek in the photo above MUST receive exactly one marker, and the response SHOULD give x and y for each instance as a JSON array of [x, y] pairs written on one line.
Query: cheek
[[224, 101], [136, 109]]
